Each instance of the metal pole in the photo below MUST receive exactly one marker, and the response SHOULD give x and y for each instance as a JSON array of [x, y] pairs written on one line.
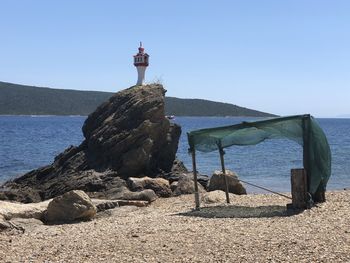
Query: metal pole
[[196, 194], [221, 151]]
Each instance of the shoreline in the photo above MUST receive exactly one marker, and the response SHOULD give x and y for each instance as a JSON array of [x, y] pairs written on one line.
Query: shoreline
[[250, 229], [249, 188]]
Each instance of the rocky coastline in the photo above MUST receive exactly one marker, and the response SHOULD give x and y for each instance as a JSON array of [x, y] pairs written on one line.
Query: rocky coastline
[[122, 196], [128, 153], [126, 136]]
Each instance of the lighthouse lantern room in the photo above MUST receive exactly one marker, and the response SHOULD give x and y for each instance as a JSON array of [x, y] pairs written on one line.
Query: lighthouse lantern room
[[141, 63]]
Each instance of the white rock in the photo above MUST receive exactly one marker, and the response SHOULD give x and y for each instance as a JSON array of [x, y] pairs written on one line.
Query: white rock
[[11, 210], [71, 206], [216, 196]]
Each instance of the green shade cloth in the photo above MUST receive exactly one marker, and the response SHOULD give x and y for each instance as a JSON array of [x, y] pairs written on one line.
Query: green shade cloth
[[302, 129]]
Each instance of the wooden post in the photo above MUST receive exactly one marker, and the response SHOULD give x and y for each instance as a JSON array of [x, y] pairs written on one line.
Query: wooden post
[[299, 188], [196, 194], [221, 151]]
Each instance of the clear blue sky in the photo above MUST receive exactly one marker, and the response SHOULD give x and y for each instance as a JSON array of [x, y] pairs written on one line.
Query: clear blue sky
[[283, 57]]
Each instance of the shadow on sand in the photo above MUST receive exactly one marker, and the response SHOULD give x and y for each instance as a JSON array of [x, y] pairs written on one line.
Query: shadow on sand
[[233, 211]]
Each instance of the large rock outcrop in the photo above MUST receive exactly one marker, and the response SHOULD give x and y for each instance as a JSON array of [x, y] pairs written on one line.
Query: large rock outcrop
[[126, 136]]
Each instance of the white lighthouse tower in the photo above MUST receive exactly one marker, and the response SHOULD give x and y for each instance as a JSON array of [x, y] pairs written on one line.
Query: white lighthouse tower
[[141, 63]]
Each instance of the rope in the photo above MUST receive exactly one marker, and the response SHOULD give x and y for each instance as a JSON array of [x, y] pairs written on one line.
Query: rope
[[265, 189]]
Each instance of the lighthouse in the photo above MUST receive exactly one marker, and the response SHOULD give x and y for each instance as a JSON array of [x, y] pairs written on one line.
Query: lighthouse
[[141, 63]]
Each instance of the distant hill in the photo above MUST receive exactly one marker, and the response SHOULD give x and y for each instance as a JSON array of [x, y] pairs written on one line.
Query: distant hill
[[29, 100], [199, 107]]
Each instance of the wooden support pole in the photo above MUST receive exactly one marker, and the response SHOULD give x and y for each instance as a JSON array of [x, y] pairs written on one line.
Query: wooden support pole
[[196, 194], [299, 188], [221, 151]]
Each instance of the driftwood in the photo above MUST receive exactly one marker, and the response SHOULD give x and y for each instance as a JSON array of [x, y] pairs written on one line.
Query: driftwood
[[14, 226], [102, 205], [133, 202]]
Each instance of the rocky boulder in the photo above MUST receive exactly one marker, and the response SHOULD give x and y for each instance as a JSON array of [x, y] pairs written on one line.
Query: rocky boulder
[[216, 196], [173, 186], [177, 170], [201, 178], [185, 185], [69, 207], [146, 195], [175, 177], [116, 188], [159, 185], [128, 135], [217, 182]]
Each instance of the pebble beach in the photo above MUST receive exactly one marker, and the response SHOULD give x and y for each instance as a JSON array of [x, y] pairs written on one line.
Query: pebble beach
[[253, 228]]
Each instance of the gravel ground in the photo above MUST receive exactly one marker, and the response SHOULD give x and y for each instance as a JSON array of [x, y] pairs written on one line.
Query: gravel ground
[[254, 228]]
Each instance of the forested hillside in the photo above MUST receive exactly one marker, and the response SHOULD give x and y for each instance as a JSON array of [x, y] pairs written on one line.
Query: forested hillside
[[29, 100]]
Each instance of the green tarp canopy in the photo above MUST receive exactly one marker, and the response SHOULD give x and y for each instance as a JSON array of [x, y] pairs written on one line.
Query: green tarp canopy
[[302, 129]]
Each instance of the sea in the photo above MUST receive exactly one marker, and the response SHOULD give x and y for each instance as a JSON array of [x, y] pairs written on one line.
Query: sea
[[29, 142]]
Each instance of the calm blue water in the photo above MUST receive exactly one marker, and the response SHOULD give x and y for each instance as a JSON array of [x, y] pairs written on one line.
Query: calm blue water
[[27, 143]]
